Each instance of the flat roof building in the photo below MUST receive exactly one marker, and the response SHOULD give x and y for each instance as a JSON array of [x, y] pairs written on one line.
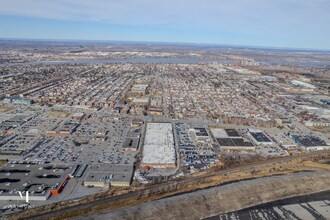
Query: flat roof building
[[229, 139], [41, 181], [131, 144], [159, 148], [143, 101], [310, 142], [78, 115], [106, 175], [235, 144], [224, 133], [258, 137], [66, 128]]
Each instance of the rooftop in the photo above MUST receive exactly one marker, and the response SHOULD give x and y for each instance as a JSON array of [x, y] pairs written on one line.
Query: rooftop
[[159, 144], [35, 178]]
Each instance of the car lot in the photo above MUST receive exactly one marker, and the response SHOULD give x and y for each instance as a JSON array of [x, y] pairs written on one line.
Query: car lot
[[193, 152], [100, 139], [85, 146]]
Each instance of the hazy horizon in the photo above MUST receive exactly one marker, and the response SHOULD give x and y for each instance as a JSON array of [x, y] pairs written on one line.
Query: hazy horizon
[[279, 24], [156, 43]]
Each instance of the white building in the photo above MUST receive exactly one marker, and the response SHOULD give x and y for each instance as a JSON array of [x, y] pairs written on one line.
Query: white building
[[159, 148]]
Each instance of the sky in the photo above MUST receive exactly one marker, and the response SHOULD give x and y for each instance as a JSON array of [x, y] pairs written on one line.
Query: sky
[[274, 23]]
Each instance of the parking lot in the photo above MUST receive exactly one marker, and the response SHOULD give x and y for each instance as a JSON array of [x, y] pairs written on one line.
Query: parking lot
[[194, 152], [94, 141]]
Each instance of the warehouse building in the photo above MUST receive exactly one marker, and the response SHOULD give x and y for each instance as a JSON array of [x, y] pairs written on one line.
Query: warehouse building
[[159, 149], [258, 137], [224, 133], [106, 175], [66, 128], [200, 134], [229, 139], [40, 181], [19, 145], [235, 144], [310, 142]]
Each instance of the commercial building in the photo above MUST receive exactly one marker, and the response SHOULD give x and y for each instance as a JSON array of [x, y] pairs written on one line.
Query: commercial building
[[131, 144], [78, 115], [310, 142], [229, 139], [159, 149], [155, 111], [325, 101], [18, 145], [106, 175], [40, 181], [219, 133], [317, 124], [139, 89], [156, 101], [143, 101], [136, 123], [235, 144], [303, 84], [19, 100], [258, 137], [66, 128], [200, 134]]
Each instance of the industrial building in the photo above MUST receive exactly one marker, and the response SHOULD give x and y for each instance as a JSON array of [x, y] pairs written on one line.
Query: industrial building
[[131, 144], [303, 84], [200, 134], [16, 145], [310, 142], [79, 170], [143, 101], [106, 175], [235, 144], [224, 133], [159, 149], [13, 122], [40, 181], [258, 137], [229, 139], [66, 128], [139, 89], [18, 100]]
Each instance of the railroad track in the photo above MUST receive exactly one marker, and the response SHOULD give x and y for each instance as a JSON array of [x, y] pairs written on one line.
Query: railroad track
[[154, 188]]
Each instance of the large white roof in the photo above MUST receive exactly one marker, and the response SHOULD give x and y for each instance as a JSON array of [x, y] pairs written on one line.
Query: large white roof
[[219, 133], [159, 144]]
